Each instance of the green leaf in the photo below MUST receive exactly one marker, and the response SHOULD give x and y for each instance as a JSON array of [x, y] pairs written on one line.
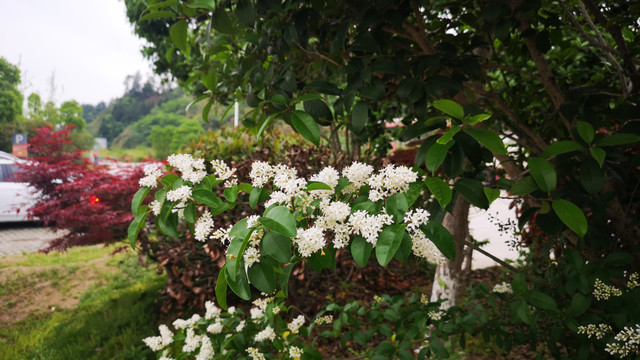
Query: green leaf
[[277, 246], [619, 259], [168, 179], [414, 192], [316, 185], [221, 288], [562, 147], [280, 220], [231, 194], [571, 215], [519, 284], [543, 173], [440, 190], [206, 197], [438, 349], [178, 34], [397, 207], [542, 301], [491, 194], [262, 275], [522, 311], [221, 22], [618, 139], [190, 213], [325, 258], [487, 138], [246, 13], [436, 154], [239, 285], [449, 134], [203, 4], [360, 250], [579, 304], [168, 225], [138, 198], [134, 228], [591, 176], [441, 237], [404, 251], [523, 186], [450, 108], [306, 126], [359, 117], [477, 119], [388, 243], [598, 155], [586, 131], [258, 195], [473, 191], [157, 15]]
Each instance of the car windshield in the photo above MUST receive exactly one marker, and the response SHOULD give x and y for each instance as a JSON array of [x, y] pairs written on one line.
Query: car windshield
[[8, 172]]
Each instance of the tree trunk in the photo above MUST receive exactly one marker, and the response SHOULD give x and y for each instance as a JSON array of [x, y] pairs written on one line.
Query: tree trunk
[[448, 280]]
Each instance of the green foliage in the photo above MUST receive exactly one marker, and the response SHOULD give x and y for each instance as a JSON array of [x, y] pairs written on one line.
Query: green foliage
[[10, 102]]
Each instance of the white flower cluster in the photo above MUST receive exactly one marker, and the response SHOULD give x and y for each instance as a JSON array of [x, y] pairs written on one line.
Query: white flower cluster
[[223, 172], [632, 281], [192, 170], [181, 194], [603, 291], [368, 225], [328, 176], [295, 352], [628, 342], [421, 245], [222, 234], [598, 331], [503, 288], [267, 334], [157, 343], [326, 319], [295, 324], [152, 173], [310, 240], [435, 315], [155, 206], [203, 226], [358, 174], [390, 180]]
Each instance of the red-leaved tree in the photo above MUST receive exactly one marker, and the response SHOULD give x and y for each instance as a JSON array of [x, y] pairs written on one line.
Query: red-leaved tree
[[92, 203]]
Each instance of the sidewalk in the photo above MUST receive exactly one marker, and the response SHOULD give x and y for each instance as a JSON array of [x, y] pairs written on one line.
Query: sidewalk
[[18, 240]]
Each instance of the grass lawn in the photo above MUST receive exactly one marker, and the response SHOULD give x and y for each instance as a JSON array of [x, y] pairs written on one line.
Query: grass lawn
[[86, 303]]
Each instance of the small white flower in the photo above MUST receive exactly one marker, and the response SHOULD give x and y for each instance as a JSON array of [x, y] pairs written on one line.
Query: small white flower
[[256, 313], [192, 341], [266, 334], [156, 207], [295, 352], [183, 193], [203, 226], [154, 343], [215, 328], [212, 310], [358, 174], [295, 324], [240, 326], [255, 354], [261, 173], [152, 173], [503, 288], [221, 170], [251, 256], [252, 221], [367, 225], [222, 234], [310, 240]]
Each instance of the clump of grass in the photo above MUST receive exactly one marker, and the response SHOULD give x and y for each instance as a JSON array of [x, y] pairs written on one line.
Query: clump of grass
[[109, 322]]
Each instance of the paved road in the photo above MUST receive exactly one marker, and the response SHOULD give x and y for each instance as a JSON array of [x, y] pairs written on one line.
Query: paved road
[[19, 238]]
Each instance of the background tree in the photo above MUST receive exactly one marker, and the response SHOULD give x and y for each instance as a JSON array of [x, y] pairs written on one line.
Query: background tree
[[10, 102]]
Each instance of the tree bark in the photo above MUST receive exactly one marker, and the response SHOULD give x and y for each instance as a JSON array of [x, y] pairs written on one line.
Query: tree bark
[[448, 281]]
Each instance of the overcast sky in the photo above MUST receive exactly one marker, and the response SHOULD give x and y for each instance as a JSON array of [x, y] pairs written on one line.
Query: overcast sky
[[88, 44]]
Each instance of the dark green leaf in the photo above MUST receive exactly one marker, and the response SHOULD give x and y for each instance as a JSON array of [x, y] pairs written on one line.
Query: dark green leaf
[[523, 186], [598, 155], [206, 197], [258, 195], [438, 349], [178, 34], [619, 259], [359, 117], [436, 154], [491, 194], [190, 213], [168, 225], [388, 243], [221, 22], [262, 276], [473, 191], [404, 251], [306, 126], [618, 139], [488, 138], [591, 176], [579, 304], [239, 285], [137, 200], [203, 4], [440, 190], [543, 173], [571, 215], [450, 108], [157, 15], [477, 119], [449, 134], [523, 312], [586, 131], [231, 194], [134, 228], [360, 250], [441, 237], [323, 86], [280, 220], [562, 147], [325, 258], [246, 13], [169, 179], [397, 207], [316, 185], [277, 246], [221, 288], [542, 301], [519, 284]]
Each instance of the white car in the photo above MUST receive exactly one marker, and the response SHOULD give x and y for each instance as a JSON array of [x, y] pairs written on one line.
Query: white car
[[15, 197]]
